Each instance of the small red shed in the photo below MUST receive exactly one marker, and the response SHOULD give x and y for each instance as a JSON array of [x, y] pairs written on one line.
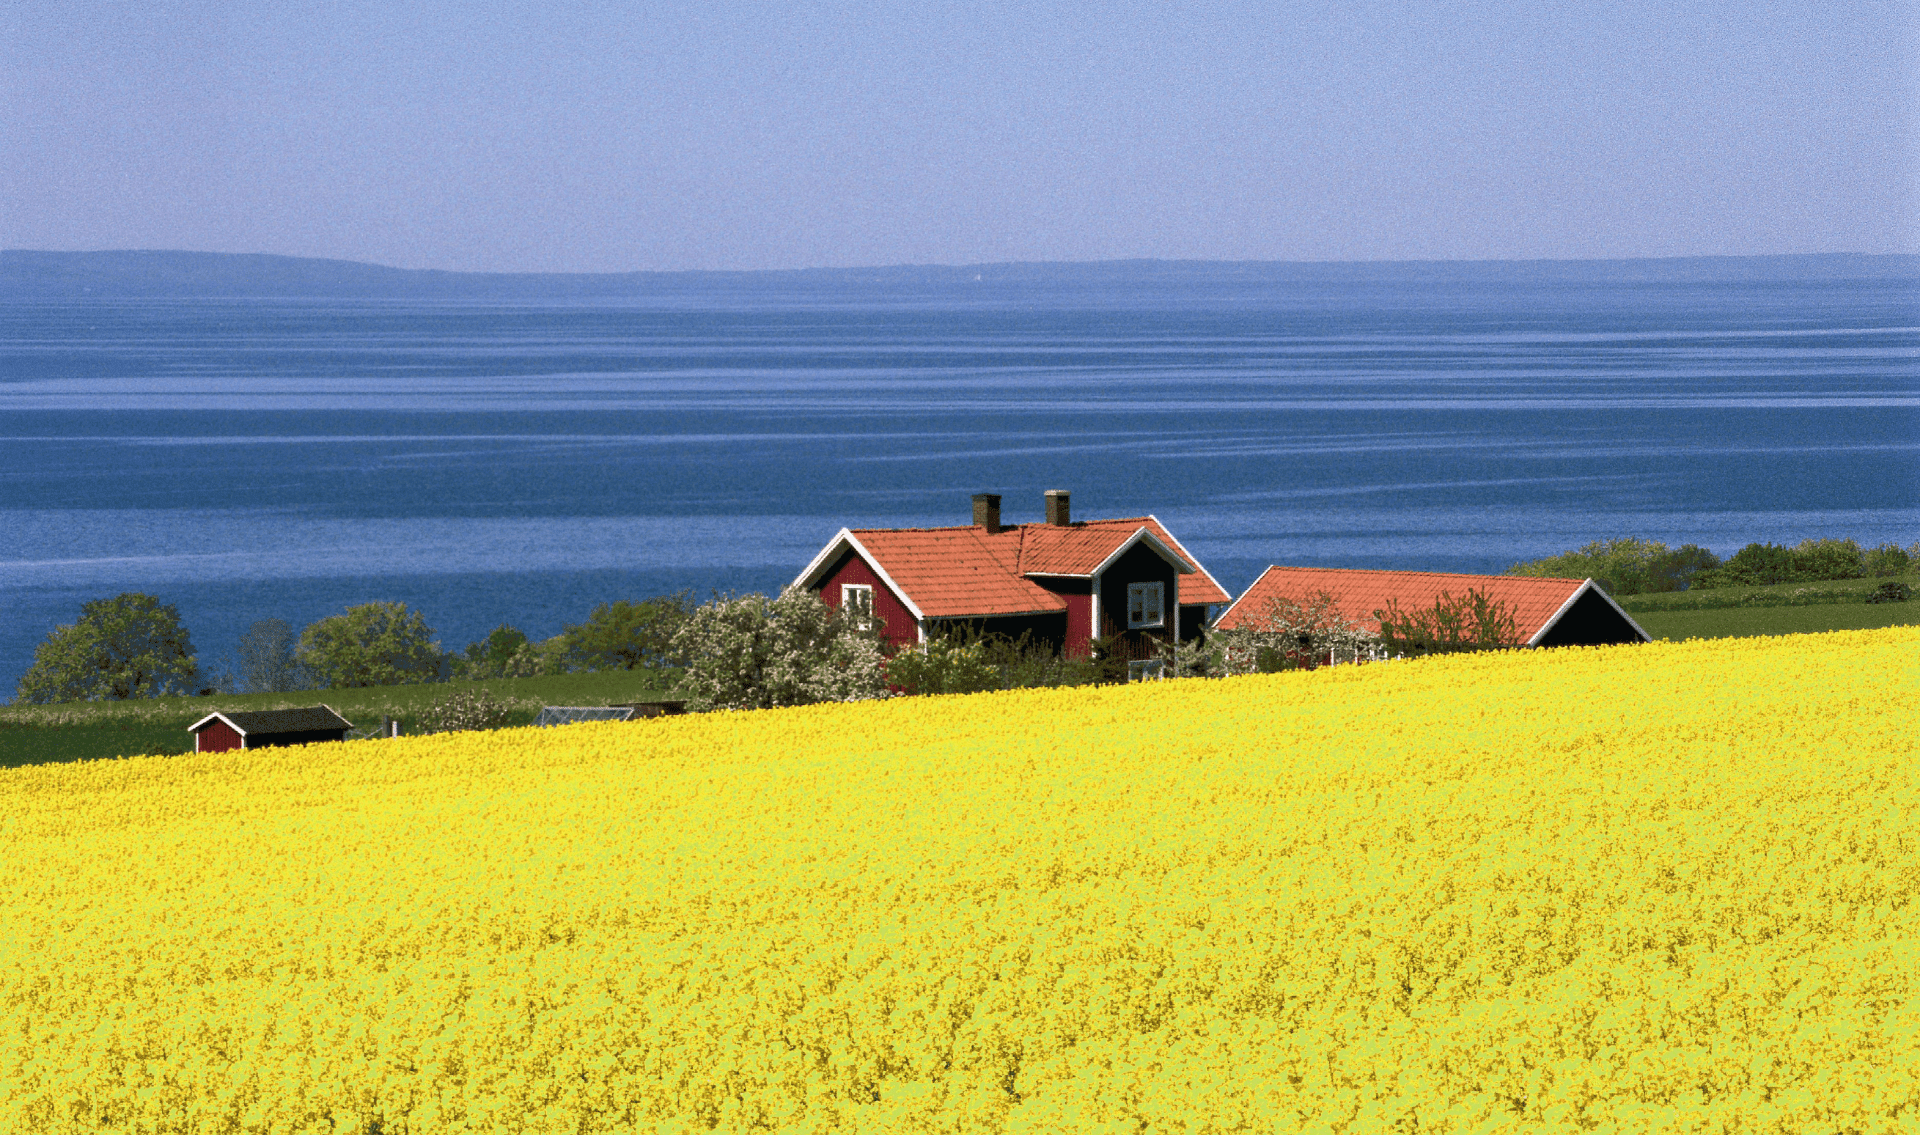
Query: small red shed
[[218, 732]]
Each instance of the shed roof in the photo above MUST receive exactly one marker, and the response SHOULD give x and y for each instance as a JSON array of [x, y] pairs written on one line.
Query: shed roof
[[967, 571], [1536, 601], [308, 719]]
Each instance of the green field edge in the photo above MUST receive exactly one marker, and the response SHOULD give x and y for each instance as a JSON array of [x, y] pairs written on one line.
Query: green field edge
[[73, 731]]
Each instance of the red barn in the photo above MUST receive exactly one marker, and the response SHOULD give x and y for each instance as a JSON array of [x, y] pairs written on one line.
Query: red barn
[[1546, 612], [218, 732], [1064, 581]]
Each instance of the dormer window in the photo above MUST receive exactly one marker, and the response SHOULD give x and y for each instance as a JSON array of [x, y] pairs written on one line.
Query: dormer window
[[1146, 605], [856, 599]]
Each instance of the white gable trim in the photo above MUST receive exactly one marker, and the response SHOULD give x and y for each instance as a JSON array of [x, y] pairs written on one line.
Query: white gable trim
[[1222, 616], [843, 541], [1586, 586], [1197, 565], [1145, 535], [201, 724]]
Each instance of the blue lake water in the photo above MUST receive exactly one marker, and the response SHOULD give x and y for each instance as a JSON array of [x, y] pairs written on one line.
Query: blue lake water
[[520, 462]]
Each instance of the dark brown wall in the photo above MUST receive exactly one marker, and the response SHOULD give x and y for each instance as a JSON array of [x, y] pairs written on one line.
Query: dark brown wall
[[1139, 565], [1591, 621], [304, 737]]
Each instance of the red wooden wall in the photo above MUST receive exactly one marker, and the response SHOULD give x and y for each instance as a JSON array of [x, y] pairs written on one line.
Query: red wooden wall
[[217, 738], [899, 624], [1079, 596]]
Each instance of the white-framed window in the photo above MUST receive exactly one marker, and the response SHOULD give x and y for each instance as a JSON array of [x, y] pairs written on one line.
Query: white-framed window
[[1149, 671], [856, 599], [1146, 605]]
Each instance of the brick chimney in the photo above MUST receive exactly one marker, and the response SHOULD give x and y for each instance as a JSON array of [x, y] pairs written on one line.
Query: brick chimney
[[986, 512], [1057, 507]]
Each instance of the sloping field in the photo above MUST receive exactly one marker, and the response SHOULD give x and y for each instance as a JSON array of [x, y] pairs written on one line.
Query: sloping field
[[1667, 887]]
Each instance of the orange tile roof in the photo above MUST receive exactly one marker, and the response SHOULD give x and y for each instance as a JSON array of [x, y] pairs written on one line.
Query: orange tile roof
[[956, 572], [1358, 594], [951, 572], [1048, 549], [1200, 587]]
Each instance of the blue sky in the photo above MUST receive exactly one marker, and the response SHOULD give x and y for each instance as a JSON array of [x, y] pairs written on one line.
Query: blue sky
[[607, 137]]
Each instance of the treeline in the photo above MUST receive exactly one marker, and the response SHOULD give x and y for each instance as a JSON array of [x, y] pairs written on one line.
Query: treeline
[[1632, 566], [735, 652], [135, 646]]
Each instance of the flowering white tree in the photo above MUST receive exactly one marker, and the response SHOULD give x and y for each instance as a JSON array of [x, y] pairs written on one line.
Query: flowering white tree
[[756, 653], [1290, 634]]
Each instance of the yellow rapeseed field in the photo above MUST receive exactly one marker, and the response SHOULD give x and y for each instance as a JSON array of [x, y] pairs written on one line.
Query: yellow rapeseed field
[[1661, 888]]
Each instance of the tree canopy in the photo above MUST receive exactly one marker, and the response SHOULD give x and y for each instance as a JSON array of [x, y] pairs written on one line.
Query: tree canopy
[[373, 644], [129, 646], [628, 635]]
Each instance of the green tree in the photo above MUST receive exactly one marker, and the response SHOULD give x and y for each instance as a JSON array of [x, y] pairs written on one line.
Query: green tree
[[628, 635], [129, 646], [491, 657], [755, 653], [374, 644]]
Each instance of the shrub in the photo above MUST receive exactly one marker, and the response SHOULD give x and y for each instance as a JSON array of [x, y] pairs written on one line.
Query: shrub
[[1887, 560], [944, 664], [1474, 621], [756, 653], [1895, 592], [129, 646], [465, 710], [961, 659]]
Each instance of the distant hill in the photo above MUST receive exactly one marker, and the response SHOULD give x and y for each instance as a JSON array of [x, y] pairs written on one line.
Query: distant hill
[[25, 274]]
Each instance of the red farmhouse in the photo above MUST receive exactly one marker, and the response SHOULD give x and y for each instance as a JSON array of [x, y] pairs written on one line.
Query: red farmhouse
[[1546, 612], [1064, 581]]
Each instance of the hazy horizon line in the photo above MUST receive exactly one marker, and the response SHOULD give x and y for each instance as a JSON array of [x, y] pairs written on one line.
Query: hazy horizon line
[[962, 266]]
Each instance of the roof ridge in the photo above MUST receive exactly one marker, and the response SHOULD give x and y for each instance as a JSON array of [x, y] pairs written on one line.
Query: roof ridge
[[1039, 524], [1418, 571]]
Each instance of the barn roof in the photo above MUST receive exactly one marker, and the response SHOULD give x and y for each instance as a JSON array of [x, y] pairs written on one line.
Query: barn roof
[[967, 571], [1536, 602], [310, 719]]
